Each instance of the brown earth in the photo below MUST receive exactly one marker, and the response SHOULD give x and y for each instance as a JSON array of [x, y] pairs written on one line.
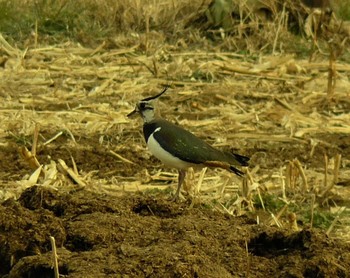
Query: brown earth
[[105, 230], [146, 234], [138, 235]]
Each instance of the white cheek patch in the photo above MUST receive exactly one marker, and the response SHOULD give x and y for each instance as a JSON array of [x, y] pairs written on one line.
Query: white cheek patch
[[147, 114]]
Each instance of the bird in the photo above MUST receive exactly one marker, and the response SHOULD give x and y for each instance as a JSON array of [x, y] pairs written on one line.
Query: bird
[[178, 148]]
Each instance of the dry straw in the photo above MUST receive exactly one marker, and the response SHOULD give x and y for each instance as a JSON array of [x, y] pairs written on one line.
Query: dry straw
[[229, 100]]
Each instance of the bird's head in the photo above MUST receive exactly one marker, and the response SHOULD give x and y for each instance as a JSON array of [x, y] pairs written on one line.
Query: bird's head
[[145, 107]]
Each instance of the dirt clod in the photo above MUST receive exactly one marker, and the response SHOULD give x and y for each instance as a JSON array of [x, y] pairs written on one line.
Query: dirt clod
[[138, 235]]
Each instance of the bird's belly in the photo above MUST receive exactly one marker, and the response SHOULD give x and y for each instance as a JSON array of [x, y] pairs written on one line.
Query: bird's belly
[[164, 156]]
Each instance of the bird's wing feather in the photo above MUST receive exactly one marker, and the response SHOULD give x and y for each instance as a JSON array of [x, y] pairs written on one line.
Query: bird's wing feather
[[187, 146]]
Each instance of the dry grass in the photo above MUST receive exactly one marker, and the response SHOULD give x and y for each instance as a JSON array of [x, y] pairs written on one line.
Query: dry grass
[[182, 23], [92, 21], [243, 102]]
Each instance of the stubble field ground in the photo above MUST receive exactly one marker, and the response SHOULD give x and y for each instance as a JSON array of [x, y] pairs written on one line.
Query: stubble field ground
[[94, 187]]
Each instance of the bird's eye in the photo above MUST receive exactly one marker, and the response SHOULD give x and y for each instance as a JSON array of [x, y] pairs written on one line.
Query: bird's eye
[[145, 106]]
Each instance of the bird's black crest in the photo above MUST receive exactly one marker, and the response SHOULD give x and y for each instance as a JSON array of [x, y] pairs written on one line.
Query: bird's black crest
[[156, 96]]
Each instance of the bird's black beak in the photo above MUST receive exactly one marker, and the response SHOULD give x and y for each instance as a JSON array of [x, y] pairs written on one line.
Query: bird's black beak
[[132, 113]]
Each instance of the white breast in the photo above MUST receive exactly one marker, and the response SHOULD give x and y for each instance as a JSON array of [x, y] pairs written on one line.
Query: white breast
[[164, 156]]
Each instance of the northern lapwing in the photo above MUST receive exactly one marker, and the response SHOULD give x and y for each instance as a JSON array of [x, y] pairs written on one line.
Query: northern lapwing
[[179, 148]]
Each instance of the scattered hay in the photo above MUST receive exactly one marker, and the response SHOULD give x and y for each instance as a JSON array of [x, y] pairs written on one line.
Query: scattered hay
[[74, 93]]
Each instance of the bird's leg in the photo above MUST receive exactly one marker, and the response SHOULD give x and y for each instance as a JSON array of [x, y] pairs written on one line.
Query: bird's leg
[[182, 175]]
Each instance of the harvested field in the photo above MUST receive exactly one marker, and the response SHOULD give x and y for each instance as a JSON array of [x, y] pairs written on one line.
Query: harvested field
[[75, 169]]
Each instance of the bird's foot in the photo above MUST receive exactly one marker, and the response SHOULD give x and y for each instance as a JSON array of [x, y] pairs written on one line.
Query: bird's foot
[[178, 197]]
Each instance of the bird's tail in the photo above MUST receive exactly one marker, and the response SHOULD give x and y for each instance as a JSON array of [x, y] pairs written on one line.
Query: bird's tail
[[236, 171], [229, 161], [242, 160], [239, 160]]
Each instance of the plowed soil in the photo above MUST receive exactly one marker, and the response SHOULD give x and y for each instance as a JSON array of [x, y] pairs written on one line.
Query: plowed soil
[[112, 226], [141, 236]]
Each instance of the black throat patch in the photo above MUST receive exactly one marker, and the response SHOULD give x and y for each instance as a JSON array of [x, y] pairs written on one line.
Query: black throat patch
[[148, 129]]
